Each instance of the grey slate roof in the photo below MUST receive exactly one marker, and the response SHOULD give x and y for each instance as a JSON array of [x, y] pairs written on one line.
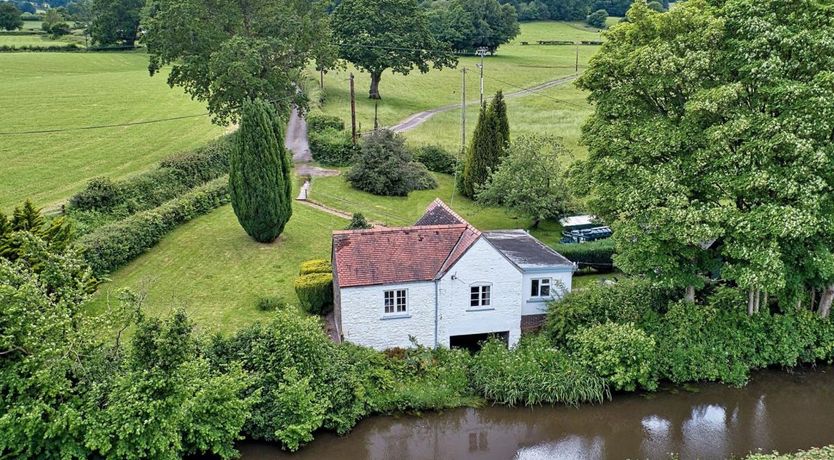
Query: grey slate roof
[[438, 213], [524, 250]]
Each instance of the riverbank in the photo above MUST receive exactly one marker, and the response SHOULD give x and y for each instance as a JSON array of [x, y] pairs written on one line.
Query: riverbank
[[785, 411]]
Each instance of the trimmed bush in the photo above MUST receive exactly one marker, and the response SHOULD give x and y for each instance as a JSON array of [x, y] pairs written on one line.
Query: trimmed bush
[[534, 372], [113, 245], [315, 266], [101, 193], [436, 159], [321, 122], [598, 255], [315, 292], [623, 354], [331, 147]]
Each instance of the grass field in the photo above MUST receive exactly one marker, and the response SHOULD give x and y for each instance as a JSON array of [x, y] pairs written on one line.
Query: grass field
[[64, 91], [212, 268], [514, 66]]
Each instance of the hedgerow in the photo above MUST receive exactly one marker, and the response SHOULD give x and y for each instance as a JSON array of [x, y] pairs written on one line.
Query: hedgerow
[[598, 255], [113, 245], [315, 292], [331, 147], [315, 266]]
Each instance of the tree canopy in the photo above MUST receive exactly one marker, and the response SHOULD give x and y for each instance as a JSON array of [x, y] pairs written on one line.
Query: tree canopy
[[376, 35], [10, 16], [116, 21], [468, 25], [710, 142], [223, 52]]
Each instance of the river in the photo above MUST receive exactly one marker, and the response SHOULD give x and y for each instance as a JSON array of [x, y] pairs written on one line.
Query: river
[[775, 411]]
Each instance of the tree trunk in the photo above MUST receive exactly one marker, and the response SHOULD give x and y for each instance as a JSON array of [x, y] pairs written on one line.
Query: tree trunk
[[690, 294], [751, 301], [757, 300], [374, 92], [813, 299], [825, 301]]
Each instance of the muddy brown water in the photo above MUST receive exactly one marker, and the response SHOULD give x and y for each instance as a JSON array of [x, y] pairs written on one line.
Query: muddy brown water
[[776, 411]]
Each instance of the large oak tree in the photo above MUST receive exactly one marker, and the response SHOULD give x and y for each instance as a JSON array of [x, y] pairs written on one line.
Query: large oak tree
[[376, 35], [223, 52]]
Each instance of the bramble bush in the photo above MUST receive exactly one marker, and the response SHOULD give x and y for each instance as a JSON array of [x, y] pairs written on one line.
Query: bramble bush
[[622, 354], [315, 292]]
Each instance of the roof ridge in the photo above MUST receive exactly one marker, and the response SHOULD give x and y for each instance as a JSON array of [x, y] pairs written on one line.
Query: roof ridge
[[441, 203], [399, 229]]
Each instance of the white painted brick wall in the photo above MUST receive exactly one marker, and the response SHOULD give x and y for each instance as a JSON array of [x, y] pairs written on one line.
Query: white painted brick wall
[[560, 282], [364, 321], [481, 264]]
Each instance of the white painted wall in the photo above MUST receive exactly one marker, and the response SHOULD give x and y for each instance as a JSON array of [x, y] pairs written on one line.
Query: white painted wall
[[364, 321], [481, 264], [560, 280]]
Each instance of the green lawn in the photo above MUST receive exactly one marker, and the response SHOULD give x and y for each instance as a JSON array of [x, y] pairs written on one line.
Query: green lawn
[[212, 268], [49, 91], [403, 211], [515, 65]]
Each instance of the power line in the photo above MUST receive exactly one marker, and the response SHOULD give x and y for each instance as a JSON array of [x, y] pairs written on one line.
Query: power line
[[531, 90]]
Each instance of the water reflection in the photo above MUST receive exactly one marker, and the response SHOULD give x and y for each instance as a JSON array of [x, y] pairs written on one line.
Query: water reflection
[[775, 411]]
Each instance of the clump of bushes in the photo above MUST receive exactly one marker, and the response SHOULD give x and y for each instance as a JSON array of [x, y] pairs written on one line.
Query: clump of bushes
[[385, 166], [358, 222], [622, 354], [315, 292], [271, 303], [436, 159], [598, 255], [113, 245], [532, 373], [330, 145]]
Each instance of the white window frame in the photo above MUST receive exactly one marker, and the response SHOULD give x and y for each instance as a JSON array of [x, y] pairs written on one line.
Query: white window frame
[[481, 287], [396, 300], [536, 284]]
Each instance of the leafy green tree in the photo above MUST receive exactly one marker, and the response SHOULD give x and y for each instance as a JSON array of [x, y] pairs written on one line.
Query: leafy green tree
[[26, 7], [358, 222], [259, 177], [597, 19], [385, 166], [51, 19], [487, 147], [468, 25], [376, 35], [116, 21], [226, 52], [656, 6], [10, 16], [714, 162], [612, 7], [530, 180]]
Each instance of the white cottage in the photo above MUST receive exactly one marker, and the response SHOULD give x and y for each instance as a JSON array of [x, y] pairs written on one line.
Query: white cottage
[[442, 282]]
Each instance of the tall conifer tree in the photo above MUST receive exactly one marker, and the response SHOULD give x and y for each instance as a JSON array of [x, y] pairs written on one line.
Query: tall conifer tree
[[259, 176], [489, 144], [499, 106]]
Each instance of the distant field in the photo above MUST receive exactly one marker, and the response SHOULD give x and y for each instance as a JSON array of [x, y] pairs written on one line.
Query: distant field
[[212, 268], [63, 91], [515, 65]]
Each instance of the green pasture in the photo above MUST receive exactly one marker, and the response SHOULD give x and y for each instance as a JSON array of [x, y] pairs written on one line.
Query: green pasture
[[216, 272], [515, 66], [65, 91]]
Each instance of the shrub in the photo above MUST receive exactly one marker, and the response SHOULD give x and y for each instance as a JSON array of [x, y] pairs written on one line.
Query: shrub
[[534, 372], [331, 147], [271, 303], [623, 354], [113, 245], [436, 159], [100, 193], [322, 122], [315, 266], [598, 255], [597, 19], [631, 300], [385, 167], [358, 222], [315, 292]]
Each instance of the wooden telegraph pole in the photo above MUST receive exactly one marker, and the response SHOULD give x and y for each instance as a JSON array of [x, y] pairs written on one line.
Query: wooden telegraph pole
[[577, 58], [352, 111]]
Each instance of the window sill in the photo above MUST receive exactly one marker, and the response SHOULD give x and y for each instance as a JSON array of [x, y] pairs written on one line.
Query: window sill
[[540, 299], [395, 316], [480, 309]]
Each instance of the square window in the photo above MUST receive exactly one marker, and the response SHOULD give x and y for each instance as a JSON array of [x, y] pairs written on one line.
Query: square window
[[479, 296], [540, 287], [395, 301]]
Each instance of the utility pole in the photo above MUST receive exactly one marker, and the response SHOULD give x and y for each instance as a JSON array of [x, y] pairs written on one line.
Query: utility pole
[[352, 111], [482, 51], [321, 79], [577, 58], [376, 113], [463, 112]]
